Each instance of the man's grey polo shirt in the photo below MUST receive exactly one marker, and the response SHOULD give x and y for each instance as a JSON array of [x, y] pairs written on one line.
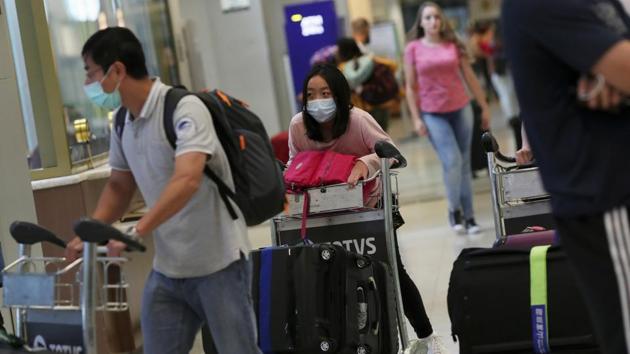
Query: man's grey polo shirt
[[201, 238]]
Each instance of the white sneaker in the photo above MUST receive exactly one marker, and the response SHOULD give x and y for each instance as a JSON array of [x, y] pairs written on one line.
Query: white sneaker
[[471, 227], [429, 345], [435, 345], [416, 346]]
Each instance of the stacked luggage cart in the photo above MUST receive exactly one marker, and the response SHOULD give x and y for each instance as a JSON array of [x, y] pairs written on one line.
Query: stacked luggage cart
[[520, 204], [56, 301], [348, 238]]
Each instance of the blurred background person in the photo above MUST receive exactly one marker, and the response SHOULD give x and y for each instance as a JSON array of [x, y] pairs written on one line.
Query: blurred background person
[[371, 78], [437, 69]]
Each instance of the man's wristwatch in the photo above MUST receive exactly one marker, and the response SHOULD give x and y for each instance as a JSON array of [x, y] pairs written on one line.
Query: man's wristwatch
[[134, 235]]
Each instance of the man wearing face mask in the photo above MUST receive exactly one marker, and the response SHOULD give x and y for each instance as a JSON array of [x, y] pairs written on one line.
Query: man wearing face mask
[[200, 271]]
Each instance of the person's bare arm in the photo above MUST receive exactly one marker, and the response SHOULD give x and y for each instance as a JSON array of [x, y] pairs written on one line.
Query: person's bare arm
[[116, 196], [411, 89], [524, 155], [111, 206], [614, 65]]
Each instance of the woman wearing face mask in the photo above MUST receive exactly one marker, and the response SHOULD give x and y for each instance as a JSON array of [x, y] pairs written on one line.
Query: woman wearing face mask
[[329, 122], [436, 71]]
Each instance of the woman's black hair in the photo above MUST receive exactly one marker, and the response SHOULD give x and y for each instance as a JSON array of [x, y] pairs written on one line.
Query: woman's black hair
[[347, 49], [341, 93]]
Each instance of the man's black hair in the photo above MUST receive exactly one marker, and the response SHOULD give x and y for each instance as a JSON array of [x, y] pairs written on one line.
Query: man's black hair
[[341, 93], [117, 44]]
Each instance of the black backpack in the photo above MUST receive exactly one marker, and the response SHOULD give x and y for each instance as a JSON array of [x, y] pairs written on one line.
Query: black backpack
[[259, 186], [381, 86]]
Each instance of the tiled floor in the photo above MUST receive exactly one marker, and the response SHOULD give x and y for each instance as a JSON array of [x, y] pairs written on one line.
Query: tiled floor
[[427, 244]]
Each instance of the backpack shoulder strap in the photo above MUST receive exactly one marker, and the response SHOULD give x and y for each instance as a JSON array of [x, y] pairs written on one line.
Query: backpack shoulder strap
[[173, 96], [119, 121]]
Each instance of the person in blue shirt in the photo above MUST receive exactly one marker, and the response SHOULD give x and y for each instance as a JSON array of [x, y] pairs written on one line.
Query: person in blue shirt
[[580, 136]]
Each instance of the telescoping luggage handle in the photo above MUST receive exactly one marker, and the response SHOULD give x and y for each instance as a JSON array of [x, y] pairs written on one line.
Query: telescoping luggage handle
[[538, 299]]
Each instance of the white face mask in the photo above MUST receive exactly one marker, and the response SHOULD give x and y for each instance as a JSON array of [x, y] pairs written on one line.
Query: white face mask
[[322, 110]]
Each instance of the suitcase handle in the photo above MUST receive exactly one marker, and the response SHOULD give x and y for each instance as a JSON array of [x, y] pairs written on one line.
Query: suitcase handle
[[375, 326]]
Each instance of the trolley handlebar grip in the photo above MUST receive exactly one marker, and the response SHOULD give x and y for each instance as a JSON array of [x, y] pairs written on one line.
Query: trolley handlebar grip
[[386, 150], [94, 231], [27, 233], [491, 146]]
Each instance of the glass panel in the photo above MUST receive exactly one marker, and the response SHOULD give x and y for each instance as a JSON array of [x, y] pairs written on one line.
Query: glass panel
[[41, 150], [150, 21], [71, 23]]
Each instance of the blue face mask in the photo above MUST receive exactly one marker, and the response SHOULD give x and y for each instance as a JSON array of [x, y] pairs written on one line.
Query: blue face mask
[[322, 110], [95, 93]]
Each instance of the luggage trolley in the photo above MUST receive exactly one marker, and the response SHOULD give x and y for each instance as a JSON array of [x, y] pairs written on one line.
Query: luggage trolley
[[56, 301], [519, 200], [337, 215]]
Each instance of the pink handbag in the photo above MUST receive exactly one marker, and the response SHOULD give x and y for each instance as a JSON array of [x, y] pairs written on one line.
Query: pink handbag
[[318, 168], [313, 169]]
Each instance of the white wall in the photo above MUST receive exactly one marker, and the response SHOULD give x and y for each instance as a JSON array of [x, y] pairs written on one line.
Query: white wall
[[16, 196], [230, 51]]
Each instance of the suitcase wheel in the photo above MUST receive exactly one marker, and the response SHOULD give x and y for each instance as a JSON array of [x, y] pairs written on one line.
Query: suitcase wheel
[[327, 254], [363, 349], [325, 345], [362, 262]]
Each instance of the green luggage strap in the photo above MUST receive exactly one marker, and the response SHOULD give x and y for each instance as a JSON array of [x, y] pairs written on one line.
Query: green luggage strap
[[538, 297]]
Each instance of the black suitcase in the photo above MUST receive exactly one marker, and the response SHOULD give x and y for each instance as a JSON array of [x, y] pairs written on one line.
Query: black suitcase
[[489, 304], [322, 299]]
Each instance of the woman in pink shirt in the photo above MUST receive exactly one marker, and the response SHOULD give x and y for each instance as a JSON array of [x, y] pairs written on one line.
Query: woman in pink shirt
[[436, 70], [329, 122]]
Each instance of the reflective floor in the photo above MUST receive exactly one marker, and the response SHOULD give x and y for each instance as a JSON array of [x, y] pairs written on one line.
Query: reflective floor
[[428, 245]]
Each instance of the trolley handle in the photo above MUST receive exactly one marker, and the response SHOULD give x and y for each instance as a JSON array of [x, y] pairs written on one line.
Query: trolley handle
[[27, 233], [94, 231], [386, 150]]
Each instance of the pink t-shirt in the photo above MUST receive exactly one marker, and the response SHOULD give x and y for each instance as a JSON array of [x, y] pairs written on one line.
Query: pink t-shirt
[[440, 85]]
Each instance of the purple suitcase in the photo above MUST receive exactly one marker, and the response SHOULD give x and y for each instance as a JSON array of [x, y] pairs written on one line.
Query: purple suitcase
[[528, 240]]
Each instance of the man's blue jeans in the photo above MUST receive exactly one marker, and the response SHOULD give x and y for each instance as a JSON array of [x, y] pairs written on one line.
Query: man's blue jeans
[[173, 311], [451, 136]]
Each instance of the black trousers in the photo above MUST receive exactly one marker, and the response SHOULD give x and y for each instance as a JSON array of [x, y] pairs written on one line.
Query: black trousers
[[598, 247], [413, 306]]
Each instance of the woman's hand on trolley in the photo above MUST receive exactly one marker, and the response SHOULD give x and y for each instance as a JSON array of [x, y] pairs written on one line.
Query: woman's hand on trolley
[[359, 171]]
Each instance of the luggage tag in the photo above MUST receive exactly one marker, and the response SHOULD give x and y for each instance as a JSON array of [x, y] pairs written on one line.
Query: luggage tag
[[538, 299]]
